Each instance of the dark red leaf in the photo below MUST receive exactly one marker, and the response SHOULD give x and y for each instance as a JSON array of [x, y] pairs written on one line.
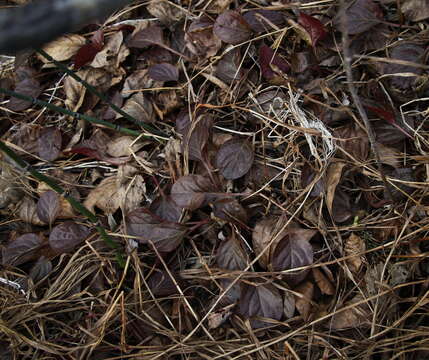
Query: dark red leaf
[[234, 158], [272, 65], [263, 300], [388, 116], [48, 207], [87, 52], [230, 254], [23, 249], [66, 236], [163, 72], [96, 154], [146, 228], [231, 28], [313, 26], [49, 143]]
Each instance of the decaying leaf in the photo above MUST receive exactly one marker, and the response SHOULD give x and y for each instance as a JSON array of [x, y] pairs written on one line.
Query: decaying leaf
[[190, 192], [356, 316], [230, 210], [415, 10], [303, 301], [28, 212], [288, 304], [163, 72], [315, 29], [354, 246], [323, 282], [261, 301], [166, 208], [361, 15], [63, 48], [200, 39], [28, 86], [333, 178], [140, 108], [49, 143], [263, 20], [273, 66]]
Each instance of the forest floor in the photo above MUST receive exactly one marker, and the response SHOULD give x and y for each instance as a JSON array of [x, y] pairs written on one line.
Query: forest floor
[[258, 190]]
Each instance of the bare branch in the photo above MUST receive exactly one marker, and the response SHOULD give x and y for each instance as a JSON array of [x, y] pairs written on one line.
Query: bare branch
[[35, 24]]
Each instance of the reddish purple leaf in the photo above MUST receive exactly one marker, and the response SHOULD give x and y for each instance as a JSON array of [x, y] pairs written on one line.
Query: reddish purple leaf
[[88, 51], [230, 210], [49, 143], [166, 208], [28, 86], [146, 228], [190, 191], [231, 28], [66, 236], [261, 301], [388, 116], [152, 35], [313, 26], [261, 20], [272, 65], [163, 72], [230, 255], [23, 249], [48, 207], [234, 158]]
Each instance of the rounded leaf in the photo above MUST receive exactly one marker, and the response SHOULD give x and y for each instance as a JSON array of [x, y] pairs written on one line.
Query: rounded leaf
[[49, 143], [231, 28], [48, 206], [234, 158], [66, 236], [230, 255], [163, 72], [21, 250]]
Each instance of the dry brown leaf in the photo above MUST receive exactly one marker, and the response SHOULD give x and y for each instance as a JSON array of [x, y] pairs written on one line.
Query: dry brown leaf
[[63, 48], [28, 213], [113, 53], [354, 245], [323, 283], [333, 178], [288, 304], [105, 196], [303, 301], [123, 146], [165, 12], [353, 318], [415, 10]]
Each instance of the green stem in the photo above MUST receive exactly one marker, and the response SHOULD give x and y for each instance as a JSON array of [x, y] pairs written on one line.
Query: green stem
[[92, 89], [73, 202], [71, 113]]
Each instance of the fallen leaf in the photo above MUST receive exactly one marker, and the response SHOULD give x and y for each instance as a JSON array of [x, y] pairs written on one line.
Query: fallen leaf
[[40, 269], [200, 39], [230, 210], [322, 282], [152, 35], [161, 284], [28, 212], [29, 87], [163, 72], [146, 228], [50, 143], [63, 48], [261, 20], [288, 304], [415, 10], [273, 66], [361, 15], [303, 301], [123, 146], [333, 178], [230, 254], [66, 236], [166, 208], [234, 158], [165, 12], [48, 207], [21, 250], [353, 246], [190, 191], [355, 317], [261, 301], [140, 108], [315, 29], [231, 28]]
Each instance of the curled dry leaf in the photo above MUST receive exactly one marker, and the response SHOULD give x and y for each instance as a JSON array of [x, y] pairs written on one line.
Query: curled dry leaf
[[323, 282], [415, 10], [49, 143], [333, 178], [355, 317], [273, 66], [48, 207], [231, 28], [63, 48], [163, 72], [293, 251], [303, 301], [123, 146], [23, 249], [140, 108], [191, 191], [113, 53], [261, 301], [354, 246], [147, 228], [234, 158], [28, 212], [66, 236], [288, 304], [230, 254]]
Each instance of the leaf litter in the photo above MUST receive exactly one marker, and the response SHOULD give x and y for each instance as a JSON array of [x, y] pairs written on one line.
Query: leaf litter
[[254, 219]]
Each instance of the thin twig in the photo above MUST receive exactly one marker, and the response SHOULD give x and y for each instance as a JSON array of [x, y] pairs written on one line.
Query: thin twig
[[347, 63]]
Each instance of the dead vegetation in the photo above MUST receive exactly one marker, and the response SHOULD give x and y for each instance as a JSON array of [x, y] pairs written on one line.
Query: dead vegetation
[[209, 190]]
